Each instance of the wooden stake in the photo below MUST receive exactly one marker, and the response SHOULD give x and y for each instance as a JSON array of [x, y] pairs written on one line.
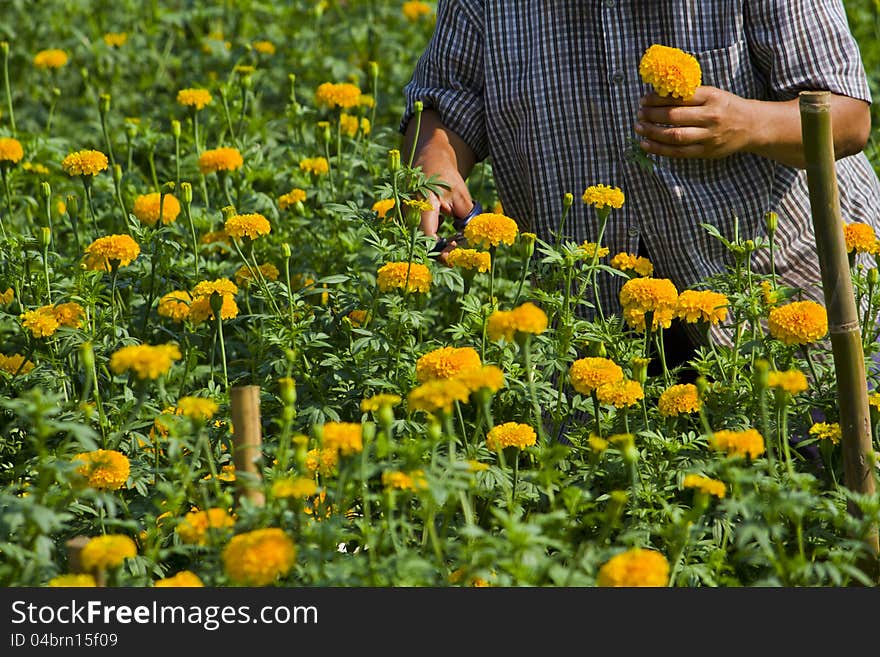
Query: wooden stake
[[247, 442]]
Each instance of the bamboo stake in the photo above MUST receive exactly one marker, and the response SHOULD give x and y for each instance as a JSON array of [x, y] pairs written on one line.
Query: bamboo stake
[[843, 319], [247, 441]]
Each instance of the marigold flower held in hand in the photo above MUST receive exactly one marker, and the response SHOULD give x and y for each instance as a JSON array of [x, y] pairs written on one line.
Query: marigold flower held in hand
[[84, 163], [671, 71], [826, 431], [344, 437], [469, 259], [104, 469], [144, 360], [73, 579], [798, 322], [525, 319], [860, 237], [107, 551], [446, 362], [393, 275], [630, 262], [344, 95], [620, 394], [196, 526], [510, 434], [702, 305], [194, 97], [175, 305], [602, 197], [297, 488], [489, 229], [437, 395], [315, 165], [146, 208], [259, 557], [791, 381], [50, 58], [705, 484], [220, 159], [183, 579], [679, 399], [635, 567], [587, 374], [748, 442], [106, 251], [639, 296], [11, 151], [291, 198]]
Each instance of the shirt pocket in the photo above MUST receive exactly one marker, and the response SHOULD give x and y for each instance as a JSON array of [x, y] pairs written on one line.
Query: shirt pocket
[[729, 68]]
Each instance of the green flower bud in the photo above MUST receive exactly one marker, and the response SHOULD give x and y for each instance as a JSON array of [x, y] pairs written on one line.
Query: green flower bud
[[87, 356], [105, 103], [45, 237], [394, 160], [287, 390], [117, 173], [772, 220], [228, 212], [285, 250], [175, 128], [873, 276], [216, 302], [186, 192], [567, 200], [4, 48], [373, 68], [45, 190], [762, 373]]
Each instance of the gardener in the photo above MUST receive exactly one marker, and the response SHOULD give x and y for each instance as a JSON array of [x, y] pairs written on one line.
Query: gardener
[[551, 94]]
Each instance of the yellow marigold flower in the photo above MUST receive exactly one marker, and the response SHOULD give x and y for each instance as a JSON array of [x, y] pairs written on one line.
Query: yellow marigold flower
[[194, 97], [294, 196], [587, 374], [15, 364], [344, 437], [477, 466], [770, 296], [214, 236], [635, 567], [106, 251], [486, 376], [268, 271], [315, 165], [642, 295], [620, 394], [10, 150], [69, 314], [489, 229], [367, 101], [702, 305], [510, 434], [348, 124], [826, 431], [105, 469], [358, 317], [748, 442], [602, 197], [395, 479], [183, 579], [446, 362], [175, 305], [197, 408], [299, 488], [108, 551], [31, 167], [115, 39], [365, 126], [413, 11], [84, 163], [50, 58], [470, 259], [597, 443], [41, 322], [7, 297], [259, 557], [437, 395], [705, 484], [630, 262], [247, 225], [860, 237], [221, 286], [588, 250], [200, 308], [799, 322], [393, 275], [144, 360], [264, 47], [196, 526], [344, 95], [382, 206], [220, 159], [524, 319], [792, 381], [73, 579], [679, 399], [376, 402], [146, 208], [874, 400], [671, 71], [322, 461]]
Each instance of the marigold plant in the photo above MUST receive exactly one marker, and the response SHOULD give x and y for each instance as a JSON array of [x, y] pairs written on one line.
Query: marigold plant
[[446, 362], [489, 229], [11, 151], [145, 361], [220, 159], [194, 97], [635, 567], [146, 208], [588, 374], [798, 322], [679, 399], [511, 434], [259, 557], [415, 277], [84, 163], [104, 469], [109, 251]]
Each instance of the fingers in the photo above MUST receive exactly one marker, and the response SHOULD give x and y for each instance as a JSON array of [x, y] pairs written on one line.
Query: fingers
[[431, 219], [674, 115], [653, 99], [672, 135], [444, 254], [677, 151]]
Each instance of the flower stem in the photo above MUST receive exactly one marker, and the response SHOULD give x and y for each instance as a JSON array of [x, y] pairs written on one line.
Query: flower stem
[[8, 88]]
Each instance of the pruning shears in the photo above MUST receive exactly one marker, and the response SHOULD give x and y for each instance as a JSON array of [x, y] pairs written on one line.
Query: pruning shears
[[459, 224]]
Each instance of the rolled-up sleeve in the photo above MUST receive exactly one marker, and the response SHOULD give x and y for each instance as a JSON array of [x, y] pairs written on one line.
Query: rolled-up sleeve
[[801, 45], [448, 76]]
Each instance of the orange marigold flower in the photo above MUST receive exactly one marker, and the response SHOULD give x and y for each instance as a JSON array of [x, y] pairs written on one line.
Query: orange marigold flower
[[247, 225], [679, 399], [446, 362], [104, 469], [489, 229], [69, 314], [509, 324], [259, 557], [183, 579], [489, 377], [10, 150], [671, 71], [348, 124], [197, 408], [706, 485], [299, 487], [791, 381], [115, 39], [15, 364], [146, 208], [110, 250], [510, 434], [196, 527], [322, 461], [393, 275], [381, 400], [344, 95], [635, 567], [267, 270], [630, 262], [315, 165], [702, 305], [799, 322], [264, 47], [748, 442], [220, 159], [50, 58], [291, 198], [107, 552], [603, 196], [358, 317], [587, 374], [438, 395], [413, 11], [470, 259], [41, 322], [396, 479], [175, 305], [200, 308], [144, 360], [7, 296], [826, 431], [382, 206], [622, 393], [639, 296], [194, 97], [214, 236], [84, 163], [860, 237], [73, 579], [344, 437]]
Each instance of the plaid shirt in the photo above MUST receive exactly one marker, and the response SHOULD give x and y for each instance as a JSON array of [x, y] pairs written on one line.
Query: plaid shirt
[[549, 90]]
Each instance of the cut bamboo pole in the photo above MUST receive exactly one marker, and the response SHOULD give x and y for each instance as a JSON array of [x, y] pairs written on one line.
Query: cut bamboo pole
[[247, 442], [840, 304]]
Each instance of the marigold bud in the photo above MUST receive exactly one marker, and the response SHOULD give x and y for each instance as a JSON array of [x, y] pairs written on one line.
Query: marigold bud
[[873, 276], [772, 220], [186, 192], [175, 128], [45, 237], [373, 68], [117, 173], [4, 48], [567, 200], [285, 250], [87, 355], [105, 103], [394, 160], [762, 374], [45, 190]]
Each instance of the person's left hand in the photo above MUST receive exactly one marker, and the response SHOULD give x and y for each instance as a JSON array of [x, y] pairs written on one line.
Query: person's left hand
[[713, 124]]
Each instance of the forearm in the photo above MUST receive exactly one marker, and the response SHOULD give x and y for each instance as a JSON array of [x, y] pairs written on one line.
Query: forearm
[[438, 148]]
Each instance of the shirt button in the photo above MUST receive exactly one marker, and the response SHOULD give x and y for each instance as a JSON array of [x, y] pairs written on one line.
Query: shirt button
[[610, 3], [616, 77], [632, 231]]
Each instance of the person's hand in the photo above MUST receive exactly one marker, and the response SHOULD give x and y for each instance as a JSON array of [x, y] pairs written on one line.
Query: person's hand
[[454, 200], [713, 124]]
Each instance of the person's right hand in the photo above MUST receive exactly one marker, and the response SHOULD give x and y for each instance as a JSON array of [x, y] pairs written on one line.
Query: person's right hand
[[454, 201]]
